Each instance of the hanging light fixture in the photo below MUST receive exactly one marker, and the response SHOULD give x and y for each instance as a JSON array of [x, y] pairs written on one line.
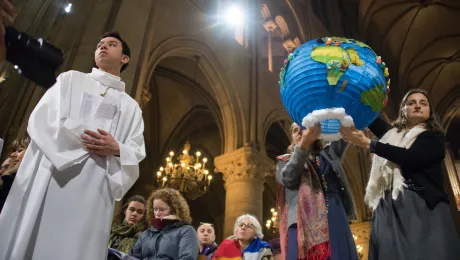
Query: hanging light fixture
[[186, 173], [273, 221]]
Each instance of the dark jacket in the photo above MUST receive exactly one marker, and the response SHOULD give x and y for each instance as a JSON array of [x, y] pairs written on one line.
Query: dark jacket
[[420, 165], [208, 252], [174, 242]]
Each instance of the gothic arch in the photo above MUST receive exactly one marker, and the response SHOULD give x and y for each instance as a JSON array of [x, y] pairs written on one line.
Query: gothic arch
[[284, 28], [265, 12], [186, 126], [450, 105], [297, 20], [277, 115], [223, 88]]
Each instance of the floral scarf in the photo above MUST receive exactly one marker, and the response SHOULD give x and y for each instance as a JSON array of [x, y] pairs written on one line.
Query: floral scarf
[[312, 225], [123, 236]]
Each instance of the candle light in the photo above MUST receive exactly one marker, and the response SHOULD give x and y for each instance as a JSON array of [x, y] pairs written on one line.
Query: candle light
[[164, 180]]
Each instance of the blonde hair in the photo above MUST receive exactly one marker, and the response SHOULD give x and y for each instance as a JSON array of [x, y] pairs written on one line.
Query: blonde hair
[[316, 146]]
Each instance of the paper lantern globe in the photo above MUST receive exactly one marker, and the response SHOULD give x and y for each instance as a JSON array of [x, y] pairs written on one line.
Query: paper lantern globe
[[334, 81]]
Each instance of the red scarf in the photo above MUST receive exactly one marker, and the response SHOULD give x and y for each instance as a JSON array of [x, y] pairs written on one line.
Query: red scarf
[[312, 225], [159, 223]]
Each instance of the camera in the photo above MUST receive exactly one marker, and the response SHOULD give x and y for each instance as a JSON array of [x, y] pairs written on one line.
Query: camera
[[37, 59]]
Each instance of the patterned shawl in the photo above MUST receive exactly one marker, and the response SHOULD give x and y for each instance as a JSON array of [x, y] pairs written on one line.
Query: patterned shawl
[[312, 225], [123, 237]]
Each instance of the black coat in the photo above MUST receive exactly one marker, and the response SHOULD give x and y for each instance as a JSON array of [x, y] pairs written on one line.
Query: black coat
[[421, 163]]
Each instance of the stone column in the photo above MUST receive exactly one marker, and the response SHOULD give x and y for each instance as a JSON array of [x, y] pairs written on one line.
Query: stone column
[[291, 45], [270, 26], [244, 171]]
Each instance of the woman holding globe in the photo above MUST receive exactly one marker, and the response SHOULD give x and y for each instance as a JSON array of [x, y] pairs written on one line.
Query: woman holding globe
[[325, 84], [313, 199], [405, 190]]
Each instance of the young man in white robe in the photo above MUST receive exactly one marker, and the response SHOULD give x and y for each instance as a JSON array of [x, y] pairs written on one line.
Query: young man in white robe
[[87, 142]]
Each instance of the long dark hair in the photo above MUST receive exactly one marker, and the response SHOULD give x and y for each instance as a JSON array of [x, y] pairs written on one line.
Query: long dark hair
[[137, 198], [431, 124]]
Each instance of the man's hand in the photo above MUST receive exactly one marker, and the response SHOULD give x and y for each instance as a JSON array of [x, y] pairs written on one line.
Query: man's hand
[[7, 16], [101, 144]]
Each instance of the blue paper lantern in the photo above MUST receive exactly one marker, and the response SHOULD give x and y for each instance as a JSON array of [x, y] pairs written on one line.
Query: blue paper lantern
[[334, 81]]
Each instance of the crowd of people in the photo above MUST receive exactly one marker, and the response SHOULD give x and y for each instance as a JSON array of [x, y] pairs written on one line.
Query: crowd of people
[[58, 186]]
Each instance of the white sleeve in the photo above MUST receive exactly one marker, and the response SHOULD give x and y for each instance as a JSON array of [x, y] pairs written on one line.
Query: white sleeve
[[123, 171], [51, 129]]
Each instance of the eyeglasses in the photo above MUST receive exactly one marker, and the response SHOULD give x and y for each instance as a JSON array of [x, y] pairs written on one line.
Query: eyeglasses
[[161, 210], [245, 225]]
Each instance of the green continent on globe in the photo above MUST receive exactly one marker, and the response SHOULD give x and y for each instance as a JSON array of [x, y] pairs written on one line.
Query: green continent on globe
[[354, 57], [336, 60], [374, 97], [338, 39]]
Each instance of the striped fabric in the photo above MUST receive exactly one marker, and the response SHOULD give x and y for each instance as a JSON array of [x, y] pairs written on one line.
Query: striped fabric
[[230, 250]]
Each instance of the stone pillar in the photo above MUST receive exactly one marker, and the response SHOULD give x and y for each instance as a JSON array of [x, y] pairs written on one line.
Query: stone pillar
[[270, 26], [291, 45], [244, 171]]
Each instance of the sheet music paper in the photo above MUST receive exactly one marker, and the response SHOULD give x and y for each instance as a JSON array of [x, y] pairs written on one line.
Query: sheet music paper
[[89, 104], [105, 113], [120, 255], [97, 112]]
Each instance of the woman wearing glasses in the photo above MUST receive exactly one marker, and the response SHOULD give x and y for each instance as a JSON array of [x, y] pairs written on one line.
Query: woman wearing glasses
[[170, 236], [246, 242], [206, 237]]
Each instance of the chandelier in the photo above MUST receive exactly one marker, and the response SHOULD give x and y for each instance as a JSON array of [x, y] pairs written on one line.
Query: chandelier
[[273, 222], [187, 174], [359, 248]]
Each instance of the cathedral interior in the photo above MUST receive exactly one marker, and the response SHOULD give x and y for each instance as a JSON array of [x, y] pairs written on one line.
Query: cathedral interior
[[210, 80]]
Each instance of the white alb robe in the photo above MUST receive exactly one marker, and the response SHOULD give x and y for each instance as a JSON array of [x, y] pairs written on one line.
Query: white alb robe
[[61, 203]]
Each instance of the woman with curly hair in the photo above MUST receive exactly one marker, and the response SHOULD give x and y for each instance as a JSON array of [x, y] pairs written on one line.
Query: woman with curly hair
[[170, 236], [129, 224], [10, 168]]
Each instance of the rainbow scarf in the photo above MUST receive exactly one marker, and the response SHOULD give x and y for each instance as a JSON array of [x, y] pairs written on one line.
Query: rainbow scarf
[[230, 250]]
